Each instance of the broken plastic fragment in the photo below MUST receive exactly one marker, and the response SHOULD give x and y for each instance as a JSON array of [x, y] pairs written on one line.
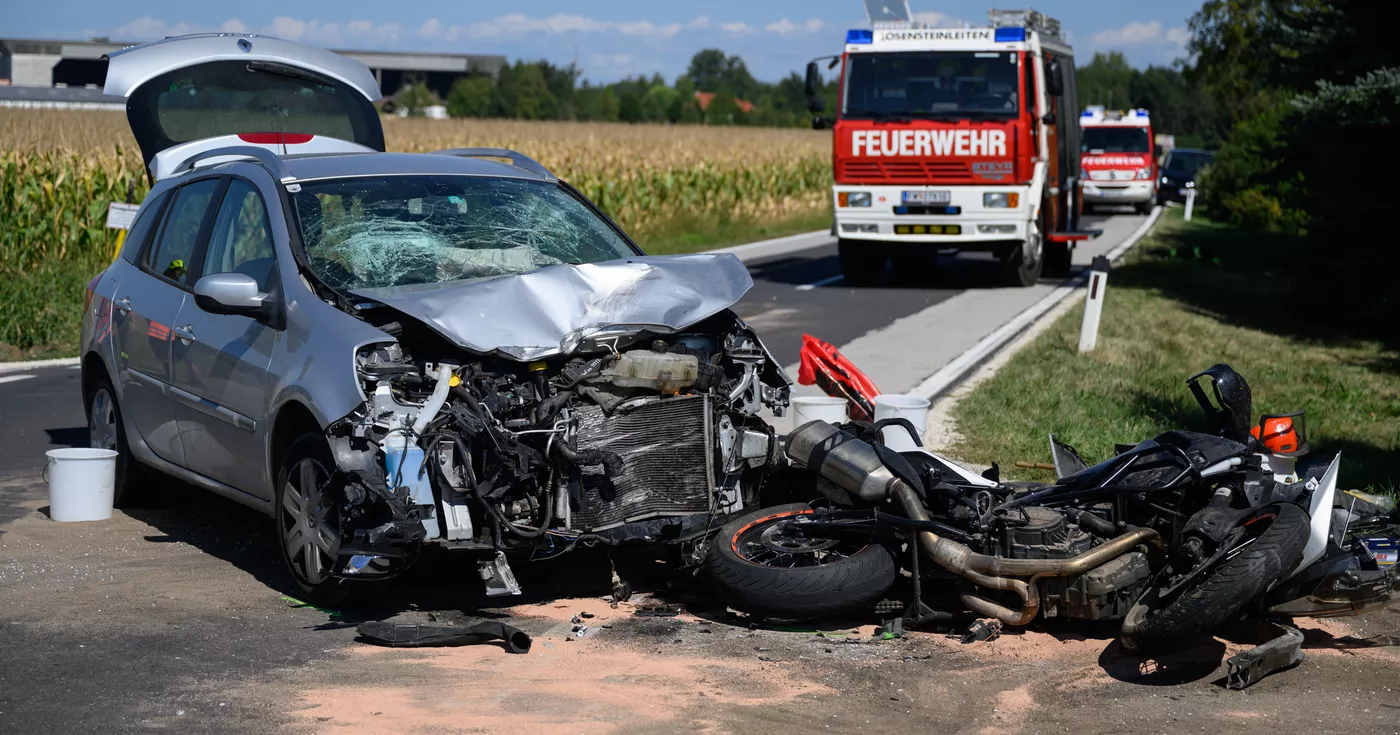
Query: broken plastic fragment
[[412, 635]]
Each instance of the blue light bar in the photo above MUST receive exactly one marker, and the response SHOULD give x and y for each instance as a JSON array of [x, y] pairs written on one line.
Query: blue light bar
[[860, 36], [1005, 35]]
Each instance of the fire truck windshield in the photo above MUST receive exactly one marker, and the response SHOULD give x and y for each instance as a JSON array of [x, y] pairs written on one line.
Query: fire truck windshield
[[931, 85], [1115, 140]]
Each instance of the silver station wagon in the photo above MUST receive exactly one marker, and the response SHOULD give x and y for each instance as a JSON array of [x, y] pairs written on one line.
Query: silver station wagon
[[382, 350]]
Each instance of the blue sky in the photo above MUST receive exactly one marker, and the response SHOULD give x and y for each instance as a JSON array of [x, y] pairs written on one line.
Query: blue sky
[[609, 39]]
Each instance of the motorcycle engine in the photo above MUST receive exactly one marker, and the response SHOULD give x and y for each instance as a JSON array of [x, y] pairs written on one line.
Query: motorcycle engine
[[1042, 533], [1105, 592]]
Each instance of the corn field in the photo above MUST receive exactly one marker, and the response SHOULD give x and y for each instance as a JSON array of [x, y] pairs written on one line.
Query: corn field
[[60, 169]]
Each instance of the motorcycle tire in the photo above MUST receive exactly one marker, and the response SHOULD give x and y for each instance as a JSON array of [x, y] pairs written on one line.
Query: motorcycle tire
[[831, 584], [1212, 598]]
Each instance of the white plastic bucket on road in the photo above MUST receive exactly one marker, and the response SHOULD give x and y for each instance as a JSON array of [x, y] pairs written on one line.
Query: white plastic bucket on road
[[899, 406], [80, 483], [818, 408]]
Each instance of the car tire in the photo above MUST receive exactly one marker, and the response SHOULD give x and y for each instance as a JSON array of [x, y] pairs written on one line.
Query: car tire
[[847, 585], [308, 532], [1214, 597], [862, 263], [132, 483]]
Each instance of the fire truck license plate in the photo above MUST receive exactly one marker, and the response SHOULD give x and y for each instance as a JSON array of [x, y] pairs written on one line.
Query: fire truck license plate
[[928, 197]]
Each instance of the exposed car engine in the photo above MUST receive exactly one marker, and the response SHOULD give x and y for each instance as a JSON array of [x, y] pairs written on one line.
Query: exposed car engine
[[633, 436]]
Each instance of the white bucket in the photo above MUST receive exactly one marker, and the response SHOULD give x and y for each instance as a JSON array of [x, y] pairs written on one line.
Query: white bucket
[[899, 406], [80, 483], [818, 408]]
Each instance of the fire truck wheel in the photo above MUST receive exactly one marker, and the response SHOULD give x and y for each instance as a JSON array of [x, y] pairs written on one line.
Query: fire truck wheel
[[1019, 270], [1057, 260], [1144, 207], [862, 263]]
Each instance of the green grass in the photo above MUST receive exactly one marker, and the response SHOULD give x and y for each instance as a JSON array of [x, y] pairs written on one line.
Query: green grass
[[689, 234], [1191, 295]]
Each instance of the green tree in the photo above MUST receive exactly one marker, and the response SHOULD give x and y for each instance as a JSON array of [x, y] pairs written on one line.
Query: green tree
[[414, 96], [683, 109], [470, 97], [534, 101], [629, 108], [724, 110], [1106, 80], [657, 103]]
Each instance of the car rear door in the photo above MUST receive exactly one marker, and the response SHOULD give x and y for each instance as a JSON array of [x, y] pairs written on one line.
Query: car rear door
[[220, 381], [190, 94], [148, 298]]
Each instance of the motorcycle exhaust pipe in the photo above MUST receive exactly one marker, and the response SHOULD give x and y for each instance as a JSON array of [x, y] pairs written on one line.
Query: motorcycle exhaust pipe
[[854, 466]]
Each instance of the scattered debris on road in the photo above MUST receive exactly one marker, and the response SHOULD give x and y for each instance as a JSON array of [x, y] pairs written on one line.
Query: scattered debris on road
[[413, 635]]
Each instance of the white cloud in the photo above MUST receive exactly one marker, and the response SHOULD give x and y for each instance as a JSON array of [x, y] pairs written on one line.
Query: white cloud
[[937, 19], [737, 28], [610, 60], [355, 32], [1138, 33], [787, 28]]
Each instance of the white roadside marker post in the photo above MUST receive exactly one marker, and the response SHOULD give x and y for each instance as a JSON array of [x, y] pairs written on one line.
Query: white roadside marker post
[[1190, 202], [1093, 304]]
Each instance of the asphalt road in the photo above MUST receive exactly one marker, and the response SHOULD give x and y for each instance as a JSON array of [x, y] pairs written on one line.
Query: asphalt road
[[174, 617]]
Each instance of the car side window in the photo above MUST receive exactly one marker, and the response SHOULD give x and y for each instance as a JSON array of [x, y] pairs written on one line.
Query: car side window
[[171, 255], [141, 229], [242, 238]]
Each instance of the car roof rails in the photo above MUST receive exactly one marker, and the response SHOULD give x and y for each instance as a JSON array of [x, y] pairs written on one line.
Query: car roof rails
[[267, 158], [519, 160]]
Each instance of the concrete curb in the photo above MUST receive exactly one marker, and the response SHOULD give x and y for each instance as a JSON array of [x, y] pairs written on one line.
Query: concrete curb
[[15, 367], [777, 246], [959, 367]]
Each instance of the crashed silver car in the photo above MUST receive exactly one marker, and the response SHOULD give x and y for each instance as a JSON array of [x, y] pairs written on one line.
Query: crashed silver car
[[384, 350]]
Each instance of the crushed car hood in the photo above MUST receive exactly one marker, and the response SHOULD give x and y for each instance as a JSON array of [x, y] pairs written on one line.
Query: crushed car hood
[[547, 312]]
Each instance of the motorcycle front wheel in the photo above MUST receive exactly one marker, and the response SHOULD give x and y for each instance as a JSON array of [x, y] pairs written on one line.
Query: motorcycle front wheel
[[758, 566], [1273, 543]]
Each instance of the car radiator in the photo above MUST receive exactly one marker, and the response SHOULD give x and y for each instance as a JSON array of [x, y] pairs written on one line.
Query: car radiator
[[665, 445]]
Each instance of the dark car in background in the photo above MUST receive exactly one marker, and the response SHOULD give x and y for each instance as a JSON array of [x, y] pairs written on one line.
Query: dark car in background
[[1179, 173]]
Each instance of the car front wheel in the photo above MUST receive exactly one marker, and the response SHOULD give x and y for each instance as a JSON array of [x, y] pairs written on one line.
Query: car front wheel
[[307, 513]]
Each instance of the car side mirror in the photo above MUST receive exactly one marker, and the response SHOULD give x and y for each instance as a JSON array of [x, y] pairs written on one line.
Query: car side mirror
[[1049, 118], [821, 123], [229, 293], [811, 88]]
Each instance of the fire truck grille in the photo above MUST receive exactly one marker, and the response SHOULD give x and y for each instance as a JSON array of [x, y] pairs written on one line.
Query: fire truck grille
[[903, 172]]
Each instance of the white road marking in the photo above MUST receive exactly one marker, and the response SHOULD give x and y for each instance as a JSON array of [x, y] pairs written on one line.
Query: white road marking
[[13, 378], [822, 282]]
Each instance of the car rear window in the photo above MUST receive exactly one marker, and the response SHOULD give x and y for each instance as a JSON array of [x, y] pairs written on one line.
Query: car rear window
[[140, 232], [232, 97]]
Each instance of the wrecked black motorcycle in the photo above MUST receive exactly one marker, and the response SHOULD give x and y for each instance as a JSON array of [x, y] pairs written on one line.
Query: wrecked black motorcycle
[[1175, 536]]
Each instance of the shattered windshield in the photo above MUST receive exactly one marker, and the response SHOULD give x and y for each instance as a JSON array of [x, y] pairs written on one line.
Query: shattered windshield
[[377, 232]]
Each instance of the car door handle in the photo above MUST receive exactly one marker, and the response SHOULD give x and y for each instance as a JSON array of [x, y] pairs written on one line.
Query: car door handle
[[185, 333], [122, 304]]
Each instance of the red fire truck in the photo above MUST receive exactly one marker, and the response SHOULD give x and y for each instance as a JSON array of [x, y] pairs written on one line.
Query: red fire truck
[[955, 139], [1118, 162]]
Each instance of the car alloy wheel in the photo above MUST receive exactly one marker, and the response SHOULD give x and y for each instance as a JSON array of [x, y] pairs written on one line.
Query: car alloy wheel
[[309, 532]]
